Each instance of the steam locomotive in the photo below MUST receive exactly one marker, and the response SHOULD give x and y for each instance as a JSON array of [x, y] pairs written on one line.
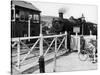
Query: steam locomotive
[[62, 25]]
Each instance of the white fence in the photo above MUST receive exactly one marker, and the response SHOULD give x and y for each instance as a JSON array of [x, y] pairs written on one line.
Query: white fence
[[55, 43], [75, 41], [56, 40]]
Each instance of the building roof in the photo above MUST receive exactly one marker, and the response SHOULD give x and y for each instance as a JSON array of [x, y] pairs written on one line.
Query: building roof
[[25, 4]]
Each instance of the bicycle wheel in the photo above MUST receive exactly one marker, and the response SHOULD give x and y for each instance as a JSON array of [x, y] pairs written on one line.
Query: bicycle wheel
[[83, 56]]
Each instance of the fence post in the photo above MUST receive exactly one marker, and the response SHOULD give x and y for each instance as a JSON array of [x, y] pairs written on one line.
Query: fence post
[[78, 44], [54, 70], [18, 54], [90, 32], [94, 55], [65, 40], [41, 58], [76, 38], [29, 28]]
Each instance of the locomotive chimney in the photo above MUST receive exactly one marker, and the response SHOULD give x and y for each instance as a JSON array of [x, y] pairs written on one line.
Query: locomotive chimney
[[61, 12], [61, 15]]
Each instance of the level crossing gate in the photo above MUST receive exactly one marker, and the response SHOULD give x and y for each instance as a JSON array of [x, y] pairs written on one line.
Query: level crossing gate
[[43, 46]]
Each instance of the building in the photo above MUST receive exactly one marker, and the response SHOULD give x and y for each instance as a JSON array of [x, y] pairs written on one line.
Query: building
[[25, 19], [47, 23], [47, 20]]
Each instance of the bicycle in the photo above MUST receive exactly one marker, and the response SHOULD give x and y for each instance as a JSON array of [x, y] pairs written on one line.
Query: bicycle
[[87, 52]]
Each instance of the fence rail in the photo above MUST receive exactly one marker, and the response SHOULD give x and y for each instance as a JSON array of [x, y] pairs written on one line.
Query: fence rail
[[57, 41], [39, 40]]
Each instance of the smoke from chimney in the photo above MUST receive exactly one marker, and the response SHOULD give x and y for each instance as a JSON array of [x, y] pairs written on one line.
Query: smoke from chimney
[[61, 12]]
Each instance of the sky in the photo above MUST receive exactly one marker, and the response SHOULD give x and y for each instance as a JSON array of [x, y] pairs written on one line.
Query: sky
[[75, 10]]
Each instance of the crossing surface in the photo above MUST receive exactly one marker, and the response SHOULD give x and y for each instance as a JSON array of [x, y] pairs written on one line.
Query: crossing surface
[[65, 63], [70, 62]]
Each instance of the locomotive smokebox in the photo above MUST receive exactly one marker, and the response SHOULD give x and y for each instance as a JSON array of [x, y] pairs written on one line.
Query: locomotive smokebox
[[61, 15]]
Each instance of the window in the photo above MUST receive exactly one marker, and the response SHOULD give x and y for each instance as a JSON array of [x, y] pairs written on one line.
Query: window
[[22, 15], [26, 16], [36, 18], [17, 15]]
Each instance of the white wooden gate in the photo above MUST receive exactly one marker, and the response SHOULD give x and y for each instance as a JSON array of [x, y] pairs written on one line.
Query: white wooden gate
[[55, 43]]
